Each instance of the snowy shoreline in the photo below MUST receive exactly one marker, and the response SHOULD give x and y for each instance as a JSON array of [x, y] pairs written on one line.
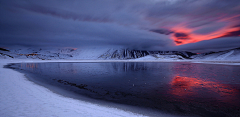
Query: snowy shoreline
[[21, 97]]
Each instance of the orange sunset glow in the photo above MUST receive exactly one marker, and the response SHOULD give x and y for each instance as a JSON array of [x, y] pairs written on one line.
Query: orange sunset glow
[[193, 38], [183, 86], [189, 36]]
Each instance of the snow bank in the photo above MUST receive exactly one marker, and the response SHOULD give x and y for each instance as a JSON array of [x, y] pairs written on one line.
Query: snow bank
[[20, 97]]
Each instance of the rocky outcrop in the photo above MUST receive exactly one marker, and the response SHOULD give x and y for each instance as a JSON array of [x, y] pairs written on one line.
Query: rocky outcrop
[[133, 54]]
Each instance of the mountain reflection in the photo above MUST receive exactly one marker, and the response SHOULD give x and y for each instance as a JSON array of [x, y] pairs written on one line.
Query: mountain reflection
[[29, 65], [186, 86], [126, 67]]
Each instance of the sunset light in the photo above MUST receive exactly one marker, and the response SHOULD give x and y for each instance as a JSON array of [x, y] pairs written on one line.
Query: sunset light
[[185, 35]]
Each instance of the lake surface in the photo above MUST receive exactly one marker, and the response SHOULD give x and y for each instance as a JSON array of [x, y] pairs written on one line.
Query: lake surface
[[177, 88]]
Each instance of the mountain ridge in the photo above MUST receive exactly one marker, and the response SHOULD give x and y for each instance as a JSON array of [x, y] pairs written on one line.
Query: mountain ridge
[[116, 54]]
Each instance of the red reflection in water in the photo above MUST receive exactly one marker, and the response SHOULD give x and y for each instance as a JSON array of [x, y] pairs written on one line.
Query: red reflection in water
[[183, 86]]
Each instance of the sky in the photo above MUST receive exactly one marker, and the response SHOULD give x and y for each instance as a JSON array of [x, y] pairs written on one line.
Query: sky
[[182, 25]]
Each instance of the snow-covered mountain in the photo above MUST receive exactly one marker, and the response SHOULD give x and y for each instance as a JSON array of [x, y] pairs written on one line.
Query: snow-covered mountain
[[90, 53], [134, 54], [53, 53], [232, 54], [114, 54]]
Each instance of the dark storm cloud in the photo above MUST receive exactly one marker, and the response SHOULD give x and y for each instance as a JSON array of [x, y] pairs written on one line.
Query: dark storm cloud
[[60, 24], [181, 36], [140, 24], [194, 13], [162, 31]]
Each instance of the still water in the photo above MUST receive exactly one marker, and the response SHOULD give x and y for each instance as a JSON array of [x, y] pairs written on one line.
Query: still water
[[177, 88]]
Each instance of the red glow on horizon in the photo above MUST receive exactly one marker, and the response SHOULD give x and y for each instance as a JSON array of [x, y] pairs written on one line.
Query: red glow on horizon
[[183, 86]]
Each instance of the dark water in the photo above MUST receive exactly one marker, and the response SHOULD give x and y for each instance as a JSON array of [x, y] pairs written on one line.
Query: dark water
[[177, 88]]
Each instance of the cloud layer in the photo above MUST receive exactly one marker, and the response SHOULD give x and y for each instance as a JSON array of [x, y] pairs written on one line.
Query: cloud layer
[[139, 24]]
